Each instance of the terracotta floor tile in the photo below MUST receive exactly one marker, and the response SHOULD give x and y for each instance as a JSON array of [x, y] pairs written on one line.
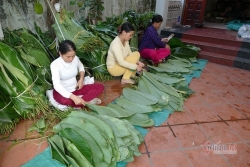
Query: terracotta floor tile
[[240, 73], [227, 112], [219, 132], [242, 128], [243, 89], [14, 156], [43, 145], [193, 100], [212, 98], [140, 161], [202, 113], [241, 158], [142, 148], [20, 130], [244, 108], [190, 135], [32, 147], [179, 118], [169, 159], [198, 86], [234, 97], [2, 144], [217, 85], [213, 68], [199, 158], [227, 78], [160, 139], [209, 77]]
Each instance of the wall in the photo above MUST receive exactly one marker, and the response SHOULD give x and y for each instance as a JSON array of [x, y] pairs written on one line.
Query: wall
[[117, 7], [11, 16]]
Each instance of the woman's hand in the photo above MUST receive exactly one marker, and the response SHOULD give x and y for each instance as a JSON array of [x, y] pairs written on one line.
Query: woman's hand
[[77, 100], [140, 64], [79, 84], [164, 40], [167, 46], [138, 68]]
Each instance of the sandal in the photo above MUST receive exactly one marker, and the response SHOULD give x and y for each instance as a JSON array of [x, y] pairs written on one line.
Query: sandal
[[127, 81], [95, 101]]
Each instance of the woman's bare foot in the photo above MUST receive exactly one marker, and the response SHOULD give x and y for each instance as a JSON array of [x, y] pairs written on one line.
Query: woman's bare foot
[[95, 101]]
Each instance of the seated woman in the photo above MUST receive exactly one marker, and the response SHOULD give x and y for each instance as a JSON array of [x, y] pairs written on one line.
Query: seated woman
[[121, 60], [67, 90], [153, 47]]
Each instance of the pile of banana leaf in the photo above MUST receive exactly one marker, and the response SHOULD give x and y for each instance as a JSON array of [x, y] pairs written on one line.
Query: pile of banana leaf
[[84, 139], [24, 65]]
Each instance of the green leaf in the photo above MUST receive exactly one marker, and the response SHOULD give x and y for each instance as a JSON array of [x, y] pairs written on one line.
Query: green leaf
[[75, 154], [72, 2], [139, 97], [134, 107], [142, 120], [81, 144], [39, 126], [96, 150]]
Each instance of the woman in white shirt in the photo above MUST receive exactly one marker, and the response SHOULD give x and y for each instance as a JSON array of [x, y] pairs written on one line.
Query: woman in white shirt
[[67, 90], [121, 60]]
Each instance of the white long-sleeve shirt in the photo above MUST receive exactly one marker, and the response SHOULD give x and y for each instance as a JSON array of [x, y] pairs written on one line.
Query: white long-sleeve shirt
[[64, 75]]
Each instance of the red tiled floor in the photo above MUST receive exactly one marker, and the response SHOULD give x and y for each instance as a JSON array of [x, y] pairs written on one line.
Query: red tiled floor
[[202, 113], [169, 159], [210, 97], [160, 138], [227, 112], [242, 128], [219, 132], [241, 158], [193, 100], [199, 158], [14, 155], [179, 118], [190, 135], [143, 160], [244, 108]]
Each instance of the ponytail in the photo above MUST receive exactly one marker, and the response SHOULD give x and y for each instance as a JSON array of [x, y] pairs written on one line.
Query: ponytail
[[127, 27]]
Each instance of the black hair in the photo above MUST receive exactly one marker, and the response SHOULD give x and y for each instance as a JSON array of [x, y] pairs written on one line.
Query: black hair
[[66, 46], [156, 19], [127, 27]]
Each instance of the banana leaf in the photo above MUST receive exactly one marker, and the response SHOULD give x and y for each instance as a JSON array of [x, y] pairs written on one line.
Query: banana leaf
[[94, 147], [139, 97], [92, 130], [175, 42], [142, 120], [184, 52], [111, 110], [95, 62], [74, 155], [57, 149], [134, 107], [165, 78], [165, 88], [80, 143], [67, 28]]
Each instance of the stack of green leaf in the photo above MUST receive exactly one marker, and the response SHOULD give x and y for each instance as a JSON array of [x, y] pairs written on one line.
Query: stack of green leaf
[[23, 78], [87, 140]]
